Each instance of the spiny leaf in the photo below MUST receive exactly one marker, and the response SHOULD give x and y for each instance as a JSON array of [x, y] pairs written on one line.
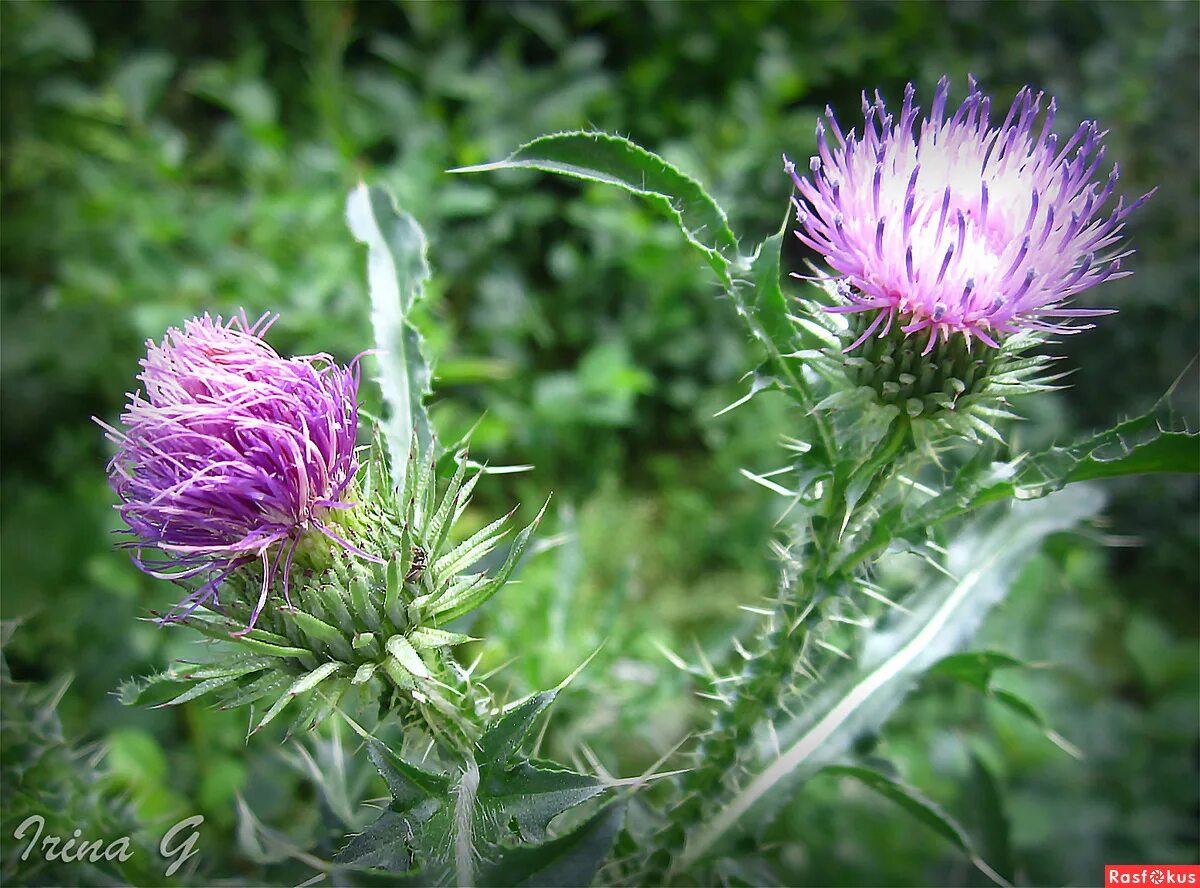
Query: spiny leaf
[[364, 606], [325, 633], [505, 736], [203, 619], [261, 647], [385, 845], [569, 861], [534, 795], [407, 483], [317, 708], [612, 160], [151, 690], [424, 491], [452, 823], [766, 315], [439, 525], [1164, 452], [771, 322], [227, 666], [376, 479], [396, 272], [408, 784], [1137, 446], [335, 604], [394, 586], [270, 684]]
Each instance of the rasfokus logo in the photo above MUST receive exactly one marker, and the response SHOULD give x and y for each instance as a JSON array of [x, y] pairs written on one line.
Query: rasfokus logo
[[1151, 874]]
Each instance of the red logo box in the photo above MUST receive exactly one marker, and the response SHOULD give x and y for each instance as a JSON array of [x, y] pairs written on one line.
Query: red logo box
[[1152, 874]]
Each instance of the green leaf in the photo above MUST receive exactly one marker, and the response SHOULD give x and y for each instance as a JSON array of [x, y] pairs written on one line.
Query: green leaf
[[450, 823], [268, 684], [923, 809], [612, 160], [977, 670], [768, 310], [409, 785], [385, 844], [438, 526], [936, 622], [974, 668], [569, 861], [234, 665], [505, 736], [1145, 444], [396, 272], [200, 689], [323, 632], [1030, 713], [532, 795], [470, 550], [770, 322], [1114, 456], [256, 641], [152, 690], [317, 708], [394, 586], [186, 682], [990, 819]]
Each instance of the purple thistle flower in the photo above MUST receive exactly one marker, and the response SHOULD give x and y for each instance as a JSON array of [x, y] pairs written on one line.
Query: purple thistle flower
[[958, 225], [231, 454]]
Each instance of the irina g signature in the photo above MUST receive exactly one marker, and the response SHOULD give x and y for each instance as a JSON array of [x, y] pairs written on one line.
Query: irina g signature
[[175, 846]]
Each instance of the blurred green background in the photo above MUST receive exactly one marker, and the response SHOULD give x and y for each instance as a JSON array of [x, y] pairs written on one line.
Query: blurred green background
[[162, 159]]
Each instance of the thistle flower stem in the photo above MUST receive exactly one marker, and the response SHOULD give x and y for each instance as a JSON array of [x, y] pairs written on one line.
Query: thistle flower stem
[[783, 654], [778, 657], [870, 476], [796, 382]]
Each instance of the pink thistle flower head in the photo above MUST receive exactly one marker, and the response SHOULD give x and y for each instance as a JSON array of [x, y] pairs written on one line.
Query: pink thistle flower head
[[231, 454], [954, 224]]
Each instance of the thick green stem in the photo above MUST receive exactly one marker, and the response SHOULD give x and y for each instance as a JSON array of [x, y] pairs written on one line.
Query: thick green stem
[[858, 489], [783, 655], [777, 658]]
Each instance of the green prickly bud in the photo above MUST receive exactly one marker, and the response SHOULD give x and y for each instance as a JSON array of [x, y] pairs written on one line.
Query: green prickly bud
[[951, 384]]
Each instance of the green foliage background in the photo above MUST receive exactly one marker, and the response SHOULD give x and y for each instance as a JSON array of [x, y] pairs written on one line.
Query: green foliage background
[[162, 159]]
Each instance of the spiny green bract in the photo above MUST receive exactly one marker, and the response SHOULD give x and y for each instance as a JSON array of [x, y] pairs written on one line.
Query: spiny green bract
[[353, 624], [960, 390]]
